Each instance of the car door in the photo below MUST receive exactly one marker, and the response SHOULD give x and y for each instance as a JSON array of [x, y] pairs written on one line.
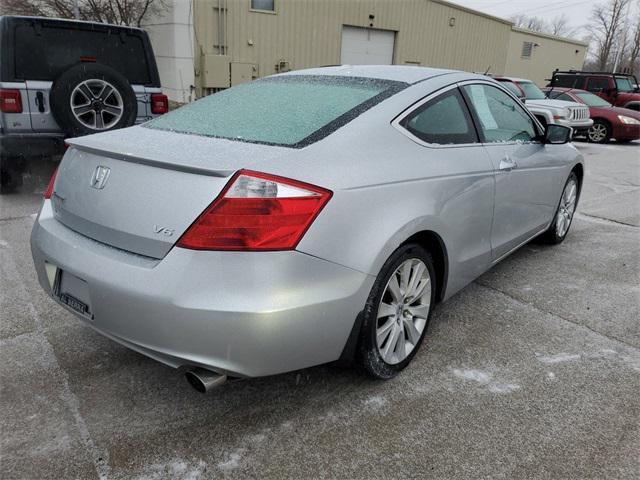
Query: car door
[[527, 175], [459, 179]]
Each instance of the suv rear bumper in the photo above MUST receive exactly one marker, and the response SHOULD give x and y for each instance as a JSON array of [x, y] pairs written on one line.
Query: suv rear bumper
[[31, 145]]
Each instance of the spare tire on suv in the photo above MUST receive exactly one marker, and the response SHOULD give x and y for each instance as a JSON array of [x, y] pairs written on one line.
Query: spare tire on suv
[[91, 98]]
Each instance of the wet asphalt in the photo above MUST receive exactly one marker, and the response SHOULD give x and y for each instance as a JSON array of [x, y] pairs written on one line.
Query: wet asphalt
[[532, 371]]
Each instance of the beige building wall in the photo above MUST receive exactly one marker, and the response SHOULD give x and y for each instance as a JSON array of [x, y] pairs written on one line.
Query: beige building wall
[[307, 33], [234, 44], [547, 54]]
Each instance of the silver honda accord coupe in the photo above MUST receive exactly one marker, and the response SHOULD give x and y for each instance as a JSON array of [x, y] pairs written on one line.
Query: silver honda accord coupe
[[300, 219]]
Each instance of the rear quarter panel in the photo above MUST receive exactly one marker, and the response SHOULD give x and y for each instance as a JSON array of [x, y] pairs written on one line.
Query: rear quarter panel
[[388, 187]]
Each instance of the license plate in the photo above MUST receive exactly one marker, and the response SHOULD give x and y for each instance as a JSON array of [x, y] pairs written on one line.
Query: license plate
[[74, 303], [73, 292]]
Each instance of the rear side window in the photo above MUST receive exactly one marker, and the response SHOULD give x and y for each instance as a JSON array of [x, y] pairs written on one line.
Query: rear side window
[[598, 84], [565, 81], [568, 81], [624, 84], [291, 111], [443, 120], [42, 52]]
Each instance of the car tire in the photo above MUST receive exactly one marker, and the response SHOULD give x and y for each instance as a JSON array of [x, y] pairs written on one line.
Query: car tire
[[599, 132], [565, 212], [90, 98], [11, 169], [390, 338]]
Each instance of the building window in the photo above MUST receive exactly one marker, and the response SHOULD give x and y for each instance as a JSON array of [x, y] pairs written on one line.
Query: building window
[[264, 5], [527, 48]]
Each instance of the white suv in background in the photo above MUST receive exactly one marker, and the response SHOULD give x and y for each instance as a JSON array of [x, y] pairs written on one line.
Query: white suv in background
[[65, 78], [546, 110]]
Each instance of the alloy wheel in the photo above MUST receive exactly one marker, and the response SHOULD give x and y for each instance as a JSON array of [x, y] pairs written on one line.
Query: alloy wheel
[[567, 208], [96, 104], [597, 132], [403, 311]]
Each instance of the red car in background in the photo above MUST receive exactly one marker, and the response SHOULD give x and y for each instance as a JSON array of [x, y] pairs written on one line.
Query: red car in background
[[608, 121]]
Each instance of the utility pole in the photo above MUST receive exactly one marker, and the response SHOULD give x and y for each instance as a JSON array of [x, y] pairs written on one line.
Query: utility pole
[[76, 10]]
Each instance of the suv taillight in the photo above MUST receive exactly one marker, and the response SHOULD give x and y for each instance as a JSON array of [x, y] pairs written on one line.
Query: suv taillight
[[159, 103], [10, 101], [49, 191], [257, 211]]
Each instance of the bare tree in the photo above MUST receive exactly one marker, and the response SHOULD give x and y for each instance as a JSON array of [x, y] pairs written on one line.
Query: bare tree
[[634, 54], [119, 12], [561, 27], [536, 24], [607, 21]]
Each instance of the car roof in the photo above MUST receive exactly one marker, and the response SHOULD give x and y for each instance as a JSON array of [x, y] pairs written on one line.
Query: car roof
[[69, 21], [400, 73], [596, 74]]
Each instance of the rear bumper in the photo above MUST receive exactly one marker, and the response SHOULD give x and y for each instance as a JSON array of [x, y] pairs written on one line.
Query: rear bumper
[[239, 313], [33, 145]]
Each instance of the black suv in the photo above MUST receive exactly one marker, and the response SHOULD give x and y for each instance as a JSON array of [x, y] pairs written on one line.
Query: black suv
[[62, 78]]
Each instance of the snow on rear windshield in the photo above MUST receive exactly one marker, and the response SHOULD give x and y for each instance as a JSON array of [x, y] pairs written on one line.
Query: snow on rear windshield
[[290, 111]]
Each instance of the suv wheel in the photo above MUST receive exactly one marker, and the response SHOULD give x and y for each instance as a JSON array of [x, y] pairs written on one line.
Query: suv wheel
[[11, 169], [91, 98]]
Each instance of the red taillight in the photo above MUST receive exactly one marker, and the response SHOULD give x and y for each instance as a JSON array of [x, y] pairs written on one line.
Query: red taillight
[[49, 191], [257, 211], [159, 103], [10, 101]]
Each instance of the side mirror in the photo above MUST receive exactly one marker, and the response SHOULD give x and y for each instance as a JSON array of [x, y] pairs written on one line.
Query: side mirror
[[557, 134]]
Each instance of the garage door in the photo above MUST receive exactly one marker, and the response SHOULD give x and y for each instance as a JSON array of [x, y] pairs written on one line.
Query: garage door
[[366, 46]]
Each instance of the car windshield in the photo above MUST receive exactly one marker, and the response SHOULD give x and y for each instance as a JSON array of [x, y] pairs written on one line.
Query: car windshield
[[531, 91], [592, 100], [513, 88], [623, 84], [291, 110]]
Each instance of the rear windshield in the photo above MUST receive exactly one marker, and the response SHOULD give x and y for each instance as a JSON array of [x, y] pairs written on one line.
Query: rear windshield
[[292, 111], [42, 52]]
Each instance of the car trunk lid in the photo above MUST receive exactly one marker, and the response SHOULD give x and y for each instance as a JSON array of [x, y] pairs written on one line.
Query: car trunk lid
[[140, 190]]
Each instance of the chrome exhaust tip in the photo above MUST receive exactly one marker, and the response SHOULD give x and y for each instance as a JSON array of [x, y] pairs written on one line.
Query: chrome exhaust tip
[[204, 380]]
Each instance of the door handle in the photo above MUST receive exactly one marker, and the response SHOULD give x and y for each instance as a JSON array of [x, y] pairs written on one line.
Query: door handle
[[40, 101], [506, 164]]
